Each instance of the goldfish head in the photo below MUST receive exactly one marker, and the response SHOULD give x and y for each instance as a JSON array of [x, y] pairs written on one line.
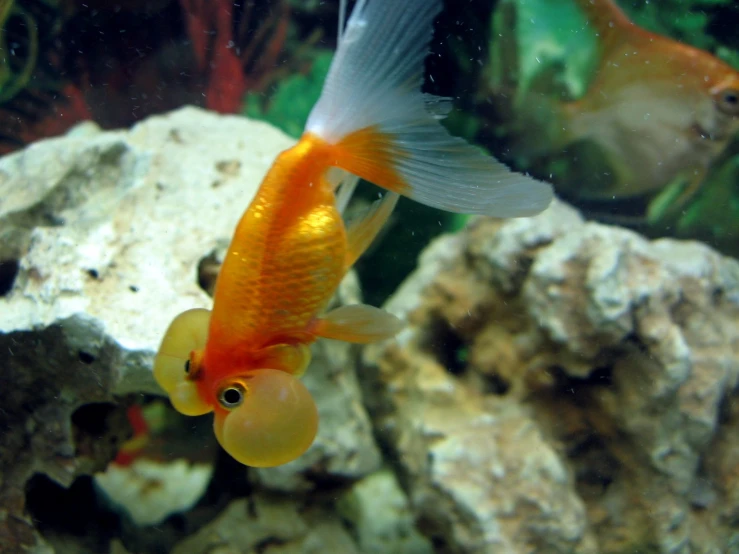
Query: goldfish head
[[725, 98], [263, 417]]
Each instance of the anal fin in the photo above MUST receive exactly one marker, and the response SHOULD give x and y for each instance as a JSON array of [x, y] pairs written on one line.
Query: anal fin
[[364, 230]]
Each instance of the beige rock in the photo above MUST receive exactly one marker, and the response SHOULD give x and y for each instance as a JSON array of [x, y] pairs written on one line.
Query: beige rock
[[481, 476], [149, 491], [378, 512], [105, 237], [110, 229], [565, 387], [271, 525]]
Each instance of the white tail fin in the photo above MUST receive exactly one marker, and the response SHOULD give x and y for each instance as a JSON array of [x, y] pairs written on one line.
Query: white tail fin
[[388, 132]]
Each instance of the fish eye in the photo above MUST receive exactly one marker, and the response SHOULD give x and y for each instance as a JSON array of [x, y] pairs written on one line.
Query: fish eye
[[727, 101], [231, 396]]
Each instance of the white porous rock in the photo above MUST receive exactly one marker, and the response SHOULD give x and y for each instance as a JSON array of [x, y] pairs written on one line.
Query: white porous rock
[[149, 491], [109, 230], [263, 521], [378, 512], [565, 386], [101, 239]]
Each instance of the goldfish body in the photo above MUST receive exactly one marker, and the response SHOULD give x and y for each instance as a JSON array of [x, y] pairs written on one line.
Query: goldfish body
[[659, 109], [291, 249]]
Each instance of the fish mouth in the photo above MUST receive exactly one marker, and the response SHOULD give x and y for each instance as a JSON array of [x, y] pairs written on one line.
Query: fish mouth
[[698, 130]]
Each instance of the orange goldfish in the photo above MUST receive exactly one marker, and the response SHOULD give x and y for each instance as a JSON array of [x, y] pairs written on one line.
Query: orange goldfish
[[658, 108], [291, 248]]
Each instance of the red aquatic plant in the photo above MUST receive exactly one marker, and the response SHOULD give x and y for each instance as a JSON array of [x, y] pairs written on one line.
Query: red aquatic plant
[[141, 436], [225, 45], [38, 113], [116, 63]]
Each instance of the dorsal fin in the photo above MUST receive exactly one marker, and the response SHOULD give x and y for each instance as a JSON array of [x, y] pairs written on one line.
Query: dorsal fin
[[608, 20]]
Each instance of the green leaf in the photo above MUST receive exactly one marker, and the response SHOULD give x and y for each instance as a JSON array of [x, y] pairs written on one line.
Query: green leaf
[[290, 104]]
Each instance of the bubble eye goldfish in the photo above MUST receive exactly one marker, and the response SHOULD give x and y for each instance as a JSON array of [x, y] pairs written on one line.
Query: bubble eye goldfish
[[659, 108], [291, 248]]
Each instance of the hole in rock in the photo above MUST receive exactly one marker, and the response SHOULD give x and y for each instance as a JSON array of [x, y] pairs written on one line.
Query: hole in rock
[[208, 269], [8, 273], [448, 347], [495, 384], [86, 357], [268, 544], [594, 465], [601, 376], [635, 342], [60, 513], [430, 526], [718, 295], [93, 419]]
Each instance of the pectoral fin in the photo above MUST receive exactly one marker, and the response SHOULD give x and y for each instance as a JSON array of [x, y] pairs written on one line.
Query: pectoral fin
[[364, 230], [670, 203], [293, 358], [358, 323]]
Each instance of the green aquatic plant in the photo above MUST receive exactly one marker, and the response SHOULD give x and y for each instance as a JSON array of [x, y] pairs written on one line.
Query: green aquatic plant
[[694, 21], [16, 71], [541, 51], [713, 214], [293, 98]]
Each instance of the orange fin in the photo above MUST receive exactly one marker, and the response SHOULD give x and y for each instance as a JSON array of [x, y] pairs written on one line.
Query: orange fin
[[385, 130], [293, 358], [609, 21], [346, 186], [364, 230], [358, 323]]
